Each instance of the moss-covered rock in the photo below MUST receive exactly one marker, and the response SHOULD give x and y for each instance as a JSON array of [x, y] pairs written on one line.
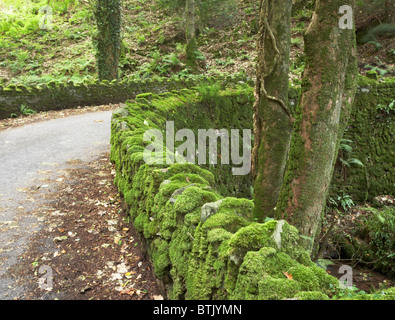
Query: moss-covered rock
[[271, 275], [200, 232]]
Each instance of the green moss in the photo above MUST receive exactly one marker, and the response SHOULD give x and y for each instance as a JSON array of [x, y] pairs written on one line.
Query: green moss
[[202, 279], [166, 190], [296, 160], [193, 169], [193, 198], [311, 295], [371, 132], [140, 222], [366, 81], [218, 235], [190, 178], [290, 244], [277, 289], [241, 207], [262, 275], [190, 52], [325, 281], [179, 250], [259, 276], [160, 257], [228, 221], [253, 237], [306, 278]]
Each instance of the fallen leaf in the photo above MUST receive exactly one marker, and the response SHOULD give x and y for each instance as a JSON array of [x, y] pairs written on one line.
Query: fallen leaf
[[71, 234], [59, 239], [130, 291], [86, 288], [289, 276]]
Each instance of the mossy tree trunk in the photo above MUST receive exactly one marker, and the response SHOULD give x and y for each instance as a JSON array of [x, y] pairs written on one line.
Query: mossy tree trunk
[[108, 20], [272, 118], [328, 90], [190, 32]]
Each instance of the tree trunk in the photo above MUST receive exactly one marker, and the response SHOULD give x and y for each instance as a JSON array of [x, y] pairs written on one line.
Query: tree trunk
[[328, 90], [272, 118], [190, 32], [108, 19]]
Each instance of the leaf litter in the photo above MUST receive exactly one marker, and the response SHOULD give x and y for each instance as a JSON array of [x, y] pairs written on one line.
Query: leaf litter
[[87, 242]]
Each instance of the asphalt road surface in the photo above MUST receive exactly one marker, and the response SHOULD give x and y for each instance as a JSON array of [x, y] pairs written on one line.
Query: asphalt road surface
[[30, 156]]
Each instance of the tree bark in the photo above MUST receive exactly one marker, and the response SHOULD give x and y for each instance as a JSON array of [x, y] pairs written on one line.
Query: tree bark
[[190, 32], [108, 19], [328, 90], [272, 117]]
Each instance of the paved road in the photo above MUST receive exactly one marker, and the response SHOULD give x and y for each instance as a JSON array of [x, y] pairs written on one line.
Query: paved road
[[29, 156]]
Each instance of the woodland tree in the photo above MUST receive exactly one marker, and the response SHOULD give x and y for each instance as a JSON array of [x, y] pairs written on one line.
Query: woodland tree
[[272, 116], [328, 90], [108, 42], [190, 31]]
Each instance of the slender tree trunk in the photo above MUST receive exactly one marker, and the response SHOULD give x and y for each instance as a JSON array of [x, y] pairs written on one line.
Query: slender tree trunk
[[190, 31], [108, 19], [328, 90], [272, 119]]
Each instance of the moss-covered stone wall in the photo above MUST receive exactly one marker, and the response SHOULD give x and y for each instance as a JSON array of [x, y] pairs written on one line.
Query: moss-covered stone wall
[[204, 245], [371, 127], [371, 131], [53, 96]]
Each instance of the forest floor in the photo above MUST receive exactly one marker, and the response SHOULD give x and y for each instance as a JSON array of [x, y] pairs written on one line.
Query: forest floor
[[67, 216], [87, 241]]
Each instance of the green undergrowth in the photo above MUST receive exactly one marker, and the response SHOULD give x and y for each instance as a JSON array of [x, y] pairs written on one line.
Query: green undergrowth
[[371, 240], [205, 244], [153, 41]]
